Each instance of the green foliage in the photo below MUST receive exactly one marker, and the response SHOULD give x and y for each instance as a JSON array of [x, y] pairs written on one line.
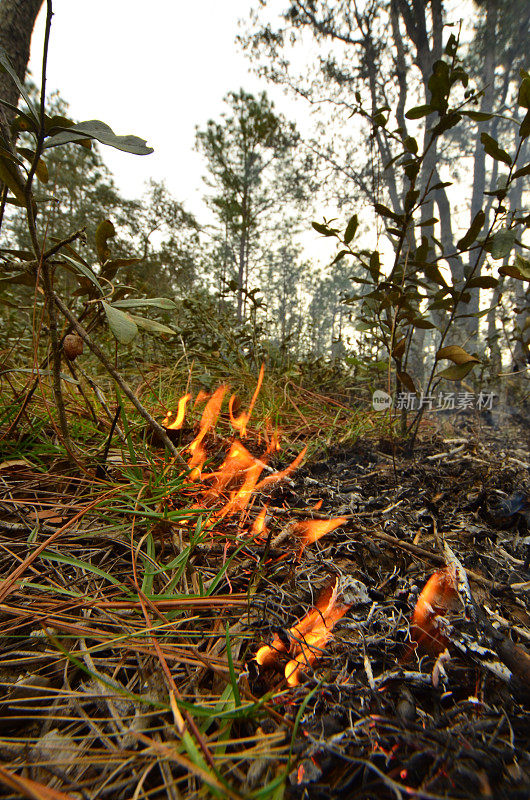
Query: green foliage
[[254, 172], [397, 301]]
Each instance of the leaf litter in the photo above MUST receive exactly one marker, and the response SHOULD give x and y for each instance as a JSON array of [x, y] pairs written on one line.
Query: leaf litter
[[264, 627]]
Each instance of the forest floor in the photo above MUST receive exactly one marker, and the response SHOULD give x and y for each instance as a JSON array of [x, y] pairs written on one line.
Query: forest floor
[[163, 638]]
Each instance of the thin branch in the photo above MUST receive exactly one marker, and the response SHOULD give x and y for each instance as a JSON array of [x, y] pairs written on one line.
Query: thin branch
[[100, 355]]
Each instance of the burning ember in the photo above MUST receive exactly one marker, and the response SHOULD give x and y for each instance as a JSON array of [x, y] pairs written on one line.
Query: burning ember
[[438, 596], [305, 641]]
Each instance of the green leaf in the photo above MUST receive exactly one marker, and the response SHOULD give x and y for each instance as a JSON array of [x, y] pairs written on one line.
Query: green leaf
[[104, 232], [524, 128], [524, 93], [339, 257], [23, 278], [151, 326], [483, 282], [439, 85], [407, 381], [398, 350], [386, 212], [233, 678], [456, 354], [41, 169], [156, 302], [79, 266], [22, 122], [447, 122], [7, 66], [420, 322], [375, 265], [56, 124], [419, 111], [491, 146], [433, 273], [85, 566], [477, 116], [501, 243], [456, 373], [512, 272], [474, 230], [95, 129], [114, 264], [122, 326], [351, 228], [411, 145], [452, 46], [325, 230], [522, 171], [523, 265], [10, 176]]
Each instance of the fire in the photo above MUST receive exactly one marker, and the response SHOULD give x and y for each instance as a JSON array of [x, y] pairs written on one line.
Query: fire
[[438, 596], [240, 424], [181, 412], [208, 420], [259, 527], [310, 530], [284, 473], [305, 640]]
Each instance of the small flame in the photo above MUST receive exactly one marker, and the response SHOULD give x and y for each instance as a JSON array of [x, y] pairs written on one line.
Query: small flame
[[239, 476], [284, 473], [208, 420], [181, 412], [307, 638], [310, 530], [240, 424], [259, 527], [438, 596]]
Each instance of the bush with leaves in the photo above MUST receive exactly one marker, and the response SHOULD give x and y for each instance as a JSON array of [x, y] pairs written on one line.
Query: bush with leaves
[[416, 292], [17, 171]]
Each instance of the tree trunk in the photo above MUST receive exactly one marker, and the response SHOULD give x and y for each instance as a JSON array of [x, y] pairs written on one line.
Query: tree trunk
[[17, 18], [479, 157]]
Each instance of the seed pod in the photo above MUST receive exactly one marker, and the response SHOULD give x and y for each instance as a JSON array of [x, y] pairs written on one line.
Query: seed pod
[[72, 346]]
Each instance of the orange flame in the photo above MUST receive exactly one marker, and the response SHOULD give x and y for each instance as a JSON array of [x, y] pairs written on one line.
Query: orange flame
[[259, 527], [239, 466], [310, 530], [284, 473], [438, 596], [240, 424], [208, 420], [181, 412], [238, 477], [307, 638]]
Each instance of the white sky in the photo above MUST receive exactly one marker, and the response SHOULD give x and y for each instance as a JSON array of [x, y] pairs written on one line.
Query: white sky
[[154, 69]]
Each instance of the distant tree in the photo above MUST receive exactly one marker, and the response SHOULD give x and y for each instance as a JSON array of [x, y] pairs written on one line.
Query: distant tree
[[375, 60], [254, 173], [166, 237]]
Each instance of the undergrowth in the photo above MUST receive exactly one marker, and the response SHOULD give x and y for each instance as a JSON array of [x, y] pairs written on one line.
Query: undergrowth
[[130, 607]]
